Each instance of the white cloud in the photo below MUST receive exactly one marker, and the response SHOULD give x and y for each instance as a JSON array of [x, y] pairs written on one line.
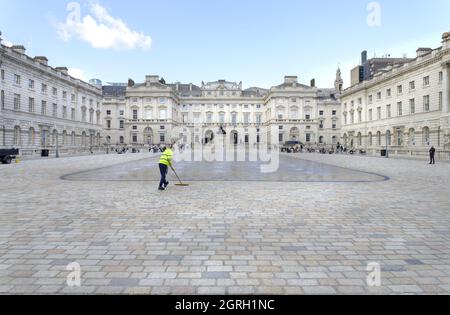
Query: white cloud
[[78, 74], [101, 30], [6, 42]]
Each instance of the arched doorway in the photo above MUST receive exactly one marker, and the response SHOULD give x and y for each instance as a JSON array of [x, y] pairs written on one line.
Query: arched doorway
[[234, 138], [209, 136], [148, 136], [294, 134]]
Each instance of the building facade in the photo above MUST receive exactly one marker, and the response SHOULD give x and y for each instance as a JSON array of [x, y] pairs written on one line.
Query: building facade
[[43, 108], [404, 108], [155, 113]]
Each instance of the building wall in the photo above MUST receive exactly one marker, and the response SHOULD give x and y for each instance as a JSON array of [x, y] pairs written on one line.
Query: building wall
[[161, 114], [406, 130], [31, 129]]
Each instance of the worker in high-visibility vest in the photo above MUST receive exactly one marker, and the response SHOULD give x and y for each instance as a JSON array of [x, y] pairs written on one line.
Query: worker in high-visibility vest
[[164, 163]]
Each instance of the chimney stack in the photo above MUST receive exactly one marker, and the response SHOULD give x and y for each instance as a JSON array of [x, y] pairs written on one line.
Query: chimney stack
[[19, 49], [446, 40], [423, 51], [291, 79], [151, 79], [41, 59], [63, 70]]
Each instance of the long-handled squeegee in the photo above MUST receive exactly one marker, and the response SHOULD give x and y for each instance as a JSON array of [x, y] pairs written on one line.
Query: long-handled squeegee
[[180, 182]]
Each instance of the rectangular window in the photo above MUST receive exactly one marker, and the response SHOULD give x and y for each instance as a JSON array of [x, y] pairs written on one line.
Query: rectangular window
[[388, 92], [370, 115], [246, 118], [64, 112], [3, 75], [379, 96], [441, 77], [44, 88], [108, 113], [108, 124], [426, 81], [121, 124], [370, 99], [258, 119], [31, 84], [399, 109], [31, 105], [280, 137], [440, 100], [334, 113], [55, 91], [135, 114], [308, 137], [72, 98], [44, 108], [64, 95], [321, 113], [412, 106], [412, 85], [399, 89], [72, 114], [55, 110], [388, 111], [16, 102], [122, 113], [162, 138], [379, 113], [426, 103], [17, 79]]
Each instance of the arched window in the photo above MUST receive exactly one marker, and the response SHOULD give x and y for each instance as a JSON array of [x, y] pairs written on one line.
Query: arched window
[[72, 139], [64, 138], [121, 140], [379, 138], [31, 136], [83, 139], [388, 138], [359, 139], [412, 137], [54, 137], [370, 139], [17, 135], [426, 136]]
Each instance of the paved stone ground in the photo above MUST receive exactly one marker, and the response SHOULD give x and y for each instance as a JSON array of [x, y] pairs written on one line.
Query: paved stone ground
[[224, 237]]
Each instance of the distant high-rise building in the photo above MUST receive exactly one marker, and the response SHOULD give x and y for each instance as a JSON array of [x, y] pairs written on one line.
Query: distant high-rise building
[[369, 67]]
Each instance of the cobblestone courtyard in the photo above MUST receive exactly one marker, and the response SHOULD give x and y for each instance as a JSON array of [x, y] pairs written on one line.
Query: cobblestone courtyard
[[312, 228]]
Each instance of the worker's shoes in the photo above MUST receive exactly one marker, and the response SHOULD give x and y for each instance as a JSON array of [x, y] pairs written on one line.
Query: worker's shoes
[[166, 184], [161, 188]]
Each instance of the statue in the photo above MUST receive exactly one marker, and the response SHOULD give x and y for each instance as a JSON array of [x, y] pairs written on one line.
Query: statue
[[446, 36], [130, 83]]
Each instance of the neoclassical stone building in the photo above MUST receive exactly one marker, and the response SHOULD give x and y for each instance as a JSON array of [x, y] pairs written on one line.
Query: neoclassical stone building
[[43, 108], [404, 108], [158, 113]]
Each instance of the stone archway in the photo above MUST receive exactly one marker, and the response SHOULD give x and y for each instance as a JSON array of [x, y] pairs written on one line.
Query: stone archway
[[234, 137], [148, 136], [209, 136], [294, 134]]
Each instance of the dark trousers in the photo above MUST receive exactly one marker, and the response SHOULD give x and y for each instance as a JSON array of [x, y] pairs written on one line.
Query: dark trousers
[[164, 169], [432, 159]]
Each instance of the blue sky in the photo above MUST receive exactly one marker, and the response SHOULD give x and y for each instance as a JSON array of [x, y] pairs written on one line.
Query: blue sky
[[254, 41]]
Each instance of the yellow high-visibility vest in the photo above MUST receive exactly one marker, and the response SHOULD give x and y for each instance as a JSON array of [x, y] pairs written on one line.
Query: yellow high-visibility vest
[[166, 157]]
